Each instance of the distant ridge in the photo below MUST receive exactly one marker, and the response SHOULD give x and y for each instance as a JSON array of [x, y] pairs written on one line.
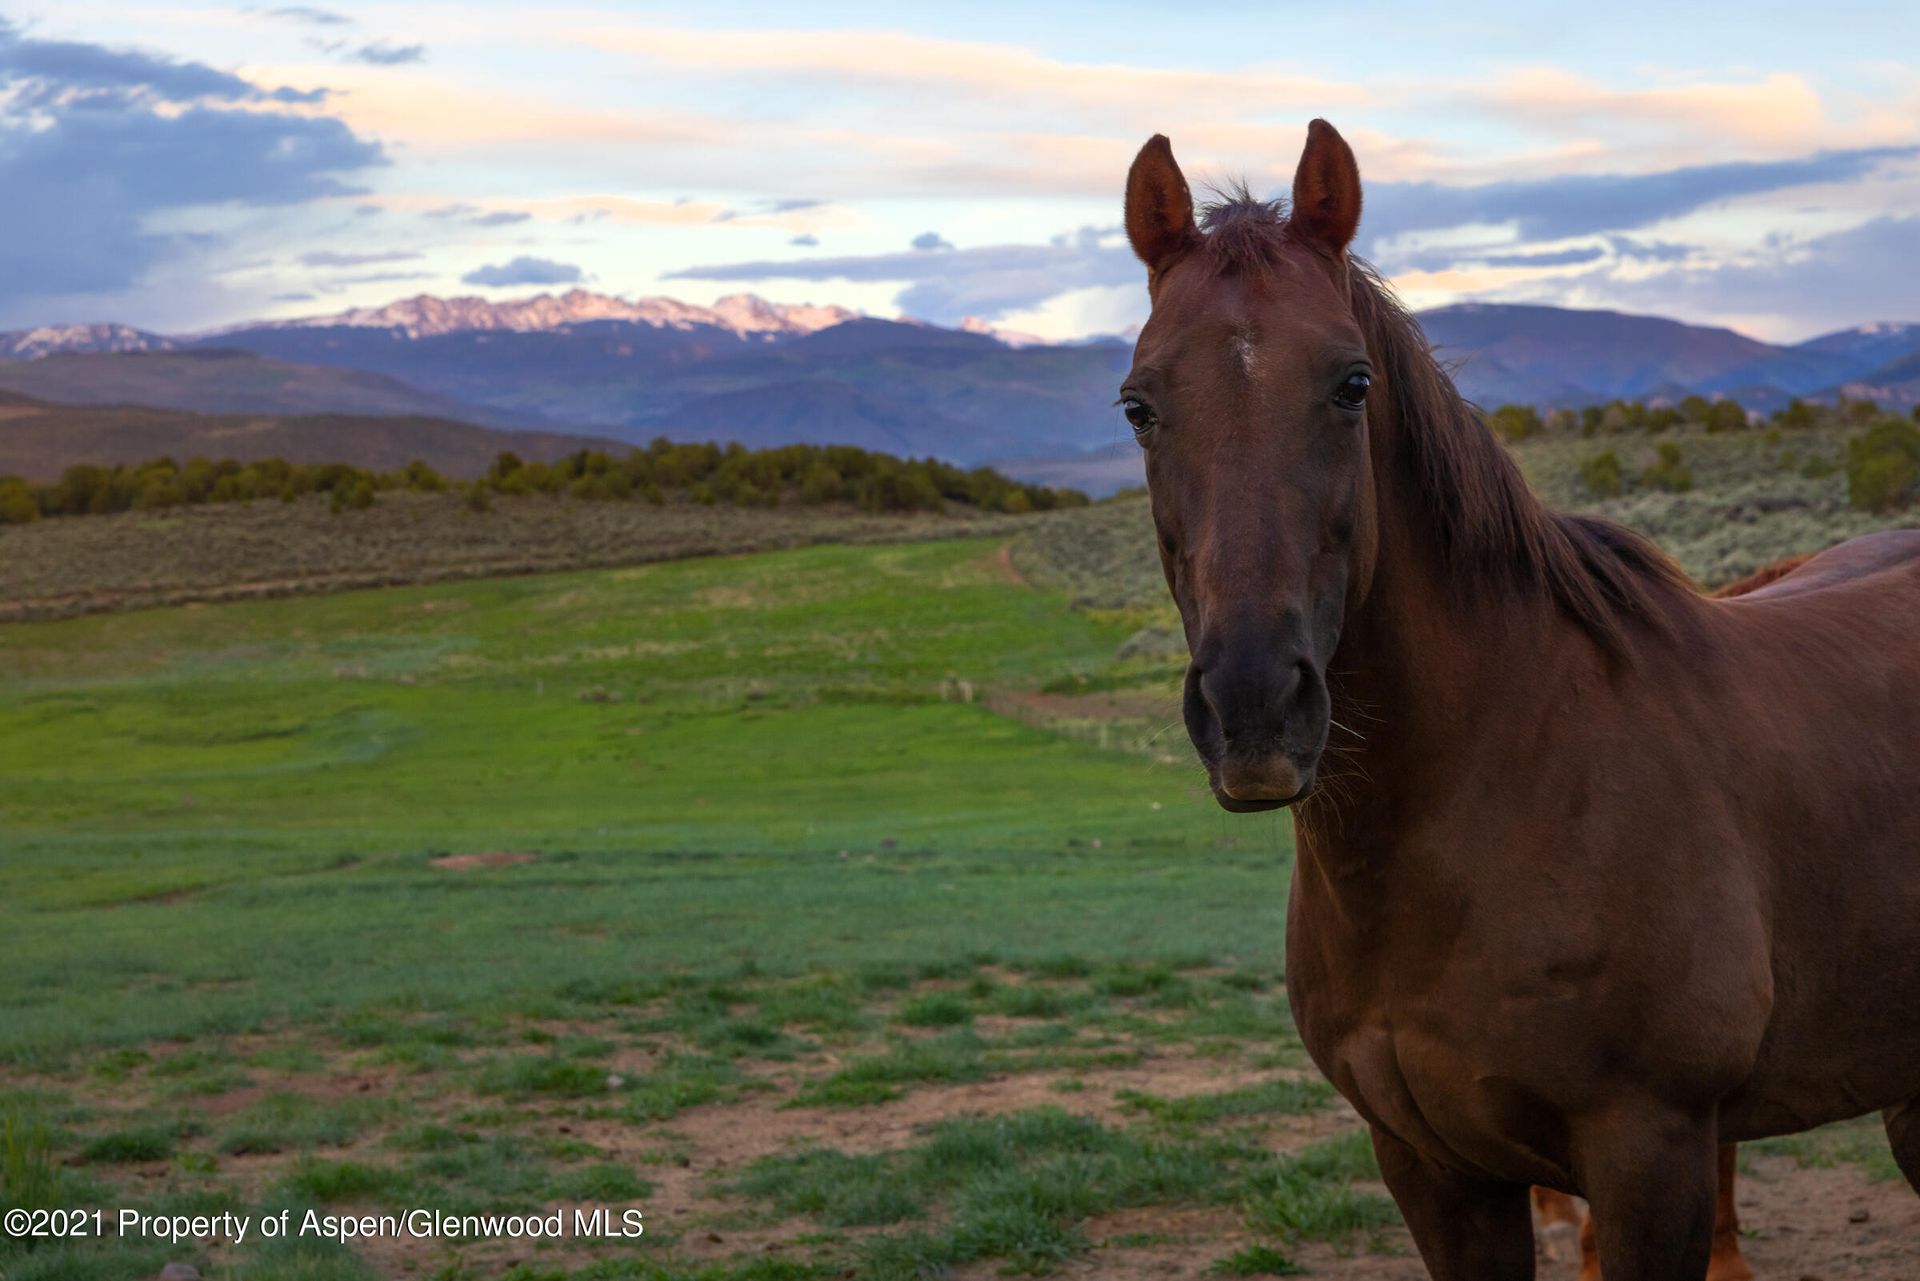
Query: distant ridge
[[226, 380], [39, 441]]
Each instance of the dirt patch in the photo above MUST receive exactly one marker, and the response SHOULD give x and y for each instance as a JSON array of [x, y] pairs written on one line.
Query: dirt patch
[[496, 858], [722, 1138], [1004, 568]]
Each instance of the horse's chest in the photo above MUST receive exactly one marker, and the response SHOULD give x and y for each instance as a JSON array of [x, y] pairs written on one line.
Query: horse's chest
[[1432, 1071], [1438, 1096]]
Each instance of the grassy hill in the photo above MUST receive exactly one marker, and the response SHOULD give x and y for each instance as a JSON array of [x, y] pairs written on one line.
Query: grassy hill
[[38, 440], [241, 551]]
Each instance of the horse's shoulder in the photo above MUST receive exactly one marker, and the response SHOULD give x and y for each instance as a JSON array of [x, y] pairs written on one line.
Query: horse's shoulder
[[1890, 552]]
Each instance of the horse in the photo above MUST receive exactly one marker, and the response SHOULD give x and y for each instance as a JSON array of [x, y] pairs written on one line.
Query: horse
[[1594, 873]]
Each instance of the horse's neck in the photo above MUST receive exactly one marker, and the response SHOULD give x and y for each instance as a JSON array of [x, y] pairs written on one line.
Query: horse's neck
[[1428, 667]]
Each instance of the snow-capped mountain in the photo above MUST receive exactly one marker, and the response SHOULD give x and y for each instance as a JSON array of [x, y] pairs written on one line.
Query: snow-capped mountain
[[424, 316], [30, 344], [1011, 337], [1868, 345]]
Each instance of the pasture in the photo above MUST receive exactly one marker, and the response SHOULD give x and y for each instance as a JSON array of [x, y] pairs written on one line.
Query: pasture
[[849, 910]]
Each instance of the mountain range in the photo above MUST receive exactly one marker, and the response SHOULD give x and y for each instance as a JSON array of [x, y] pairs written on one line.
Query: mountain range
[[763, 373]]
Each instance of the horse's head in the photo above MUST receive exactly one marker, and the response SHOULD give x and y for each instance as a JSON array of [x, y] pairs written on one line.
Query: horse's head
[[1248, 393]]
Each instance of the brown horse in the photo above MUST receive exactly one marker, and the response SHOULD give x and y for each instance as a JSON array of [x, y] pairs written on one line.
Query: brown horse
[[1599, 872]]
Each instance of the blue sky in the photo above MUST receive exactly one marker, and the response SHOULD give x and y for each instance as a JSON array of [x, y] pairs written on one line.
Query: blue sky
[[181, 166]]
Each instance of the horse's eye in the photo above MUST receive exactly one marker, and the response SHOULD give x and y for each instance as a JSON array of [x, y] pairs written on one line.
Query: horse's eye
[[1353, 392], [1137, 413]]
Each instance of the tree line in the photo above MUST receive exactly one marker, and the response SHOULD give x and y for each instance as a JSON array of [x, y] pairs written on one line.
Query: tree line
[[806, 475]]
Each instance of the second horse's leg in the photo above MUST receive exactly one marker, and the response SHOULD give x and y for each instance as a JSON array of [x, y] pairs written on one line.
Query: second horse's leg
[[1727, 1263]]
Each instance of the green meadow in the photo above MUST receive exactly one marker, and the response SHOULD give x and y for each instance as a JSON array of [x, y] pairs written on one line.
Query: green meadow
[[847, 912], [220, 816], [719, 832]]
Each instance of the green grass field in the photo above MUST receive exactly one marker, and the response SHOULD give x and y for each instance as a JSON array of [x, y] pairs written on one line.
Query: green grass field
[[250, 848], [724, 889]]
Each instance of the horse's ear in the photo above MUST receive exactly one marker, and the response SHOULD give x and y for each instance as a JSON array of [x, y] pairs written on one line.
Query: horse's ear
[[1326, 191], [1159, 206]]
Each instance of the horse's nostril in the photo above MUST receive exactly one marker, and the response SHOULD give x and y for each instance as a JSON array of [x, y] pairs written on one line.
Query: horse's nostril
[[1248, 703]]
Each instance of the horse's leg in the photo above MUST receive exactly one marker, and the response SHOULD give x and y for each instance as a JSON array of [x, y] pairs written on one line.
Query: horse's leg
[[1466, 1230], [1727, 1263], [1651, 1179], [1559, 1218], [1589, 1252], [1903, 1136]]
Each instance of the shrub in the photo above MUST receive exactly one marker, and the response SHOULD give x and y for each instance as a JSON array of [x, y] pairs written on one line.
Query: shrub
[[1883, 466], [1726, 415], [18, 506], [1858, 411], [1797, 415], [1515, 422], [1667, 471], [1601, 475]]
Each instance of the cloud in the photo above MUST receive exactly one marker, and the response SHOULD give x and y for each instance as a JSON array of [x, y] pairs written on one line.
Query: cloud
[[380, 277], [524, 271], [382, 54], [328, 258], [1778, 108], [1546, 258], [47, 74], [306, 13], [1794, 286], [989, 281], [988, 74], [761, 209], [475, 216], [806, 241], [293, 297], [1584, 204], [929, 241], [106, 139], [1649, 250]]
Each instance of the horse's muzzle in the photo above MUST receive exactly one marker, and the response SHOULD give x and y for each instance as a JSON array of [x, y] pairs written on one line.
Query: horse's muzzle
[[1259, 727]]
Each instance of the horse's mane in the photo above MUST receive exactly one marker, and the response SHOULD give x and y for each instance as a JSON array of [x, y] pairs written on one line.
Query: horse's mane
[[1488, 526]]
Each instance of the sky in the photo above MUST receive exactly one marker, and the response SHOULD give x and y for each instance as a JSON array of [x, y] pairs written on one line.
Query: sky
[[181, 167]]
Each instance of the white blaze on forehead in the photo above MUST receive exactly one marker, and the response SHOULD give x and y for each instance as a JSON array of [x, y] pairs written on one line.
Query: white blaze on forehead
[[1243, 350]]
